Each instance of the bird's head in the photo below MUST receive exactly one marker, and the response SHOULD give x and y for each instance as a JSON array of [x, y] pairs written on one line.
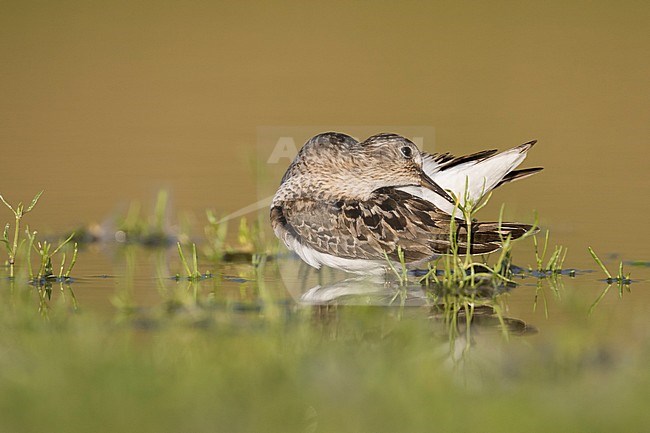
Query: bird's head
[[333, 164]]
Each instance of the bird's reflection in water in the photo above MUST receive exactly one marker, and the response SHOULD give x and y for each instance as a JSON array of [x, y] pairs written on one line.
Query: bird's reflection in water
[[451, 313], [368, 309], [365, 291]]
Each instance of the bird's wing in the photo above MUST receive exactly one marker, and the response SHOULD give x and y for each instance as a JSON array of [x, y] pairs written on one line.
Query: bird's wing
[[472, 175], [369, 229]]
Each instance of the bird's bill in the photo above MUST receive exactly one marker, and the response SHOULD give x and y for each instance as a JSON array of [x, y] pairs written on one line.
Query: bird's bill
[[428, 183]]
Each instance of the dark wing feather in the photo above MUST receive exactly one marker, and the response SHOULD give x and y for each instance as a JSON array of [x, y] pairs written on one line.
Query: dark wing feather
[[519, 174], [478, 156], [440, 158], [369, 229], [444, 161]]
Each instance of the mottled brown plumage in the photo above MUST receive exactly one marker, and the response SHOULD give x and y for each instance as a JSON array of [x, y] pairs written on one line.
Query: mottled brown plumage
[[349, 205]]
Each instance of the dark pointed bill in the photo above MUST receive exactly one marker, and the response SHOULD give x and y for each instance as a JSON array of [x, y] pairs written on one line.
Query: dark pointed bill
[[428, 183]]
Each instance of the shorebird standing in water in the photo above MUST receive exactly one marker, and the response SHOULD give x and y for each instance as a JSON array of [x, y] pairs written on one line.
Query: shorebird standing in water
[[349, 205]]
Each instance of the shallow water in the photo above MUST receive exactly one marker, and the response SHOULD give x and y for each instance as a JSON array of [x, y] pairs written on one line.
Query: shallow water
[[147, 277], [103, 105]]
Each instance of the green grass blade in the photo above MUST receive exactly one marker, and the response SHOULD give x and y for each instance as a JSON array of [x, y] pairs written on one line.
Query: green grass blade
[[62, 267], [7, 204], [195, 262], [62, 244], [600, 263], [183, 261], [73, 261], [34, 201], [390, 264]]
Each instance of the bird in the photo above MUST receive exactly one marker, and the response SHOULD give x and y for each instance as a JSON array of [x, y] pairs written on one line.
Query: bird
[[354, 205]]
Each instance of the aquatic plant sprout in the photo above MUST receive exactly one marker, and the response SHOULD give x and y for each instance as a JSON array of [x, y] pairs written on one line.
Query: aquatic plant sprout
[[19, 212]]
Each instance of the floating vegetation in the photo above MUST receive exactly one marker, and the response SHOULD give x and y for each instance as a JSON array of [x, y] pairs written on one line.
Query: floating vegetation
[[555, 262]]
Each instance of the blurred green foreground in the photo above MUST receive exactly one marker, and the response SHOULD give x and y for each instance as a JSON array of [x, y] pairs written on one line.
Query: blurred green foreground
[[284, 367]]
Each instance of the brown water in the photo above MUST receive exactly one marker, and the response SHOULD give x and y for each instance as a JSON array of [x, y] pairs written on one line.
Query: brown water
[[106, 104]]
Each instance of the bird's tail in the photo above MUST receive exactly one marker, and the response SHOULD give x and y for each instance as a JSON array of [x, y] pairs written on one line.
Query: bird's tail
[[487, 237], [472, 176]]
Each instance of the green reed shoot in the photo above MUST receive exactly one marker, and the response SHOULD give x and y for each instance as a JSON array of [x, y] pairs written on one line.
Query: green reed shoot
[[73, 261], [600, 263], [46, 251], [455, 268], [160, 210], [250, 239], [258, 261], [502, 266], [620, 278], [431, 275], [148, 230], [215, 233], [193, 273], [402, 262], [12, 247], [251, 236], [468, 208], [31, 236], [402, 274], [539, 258], [392, 267], [555, 261], [460, 271]]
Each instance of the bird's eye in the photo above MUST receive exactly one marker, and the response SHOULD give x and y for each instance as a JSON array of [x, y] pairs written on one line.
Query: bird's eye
[[406, 151]]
